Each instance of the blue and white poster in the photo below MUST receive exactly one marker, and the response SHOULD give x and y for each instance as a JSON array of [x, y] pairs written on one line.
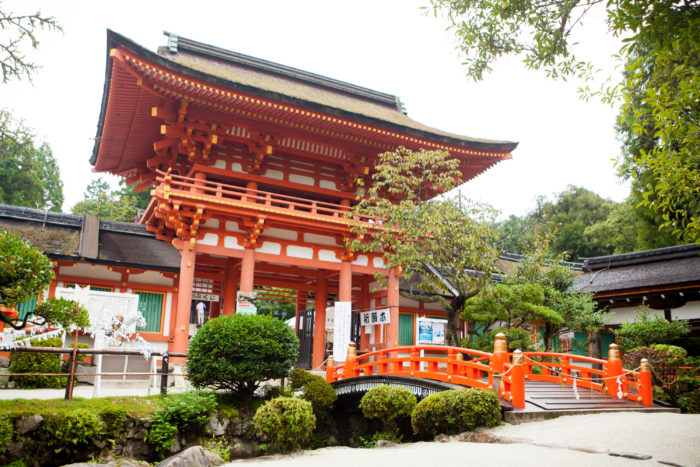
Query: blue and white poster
[[431, 331]]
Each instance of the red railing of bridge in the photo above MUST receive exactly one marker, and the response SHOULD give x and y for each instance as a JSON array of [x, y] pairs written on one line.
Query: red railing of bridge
[[507, 372]]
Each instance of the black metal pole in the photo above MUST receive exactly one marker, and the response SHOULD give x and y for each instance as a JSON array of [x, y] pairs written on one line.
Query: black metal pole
[[164, 375]]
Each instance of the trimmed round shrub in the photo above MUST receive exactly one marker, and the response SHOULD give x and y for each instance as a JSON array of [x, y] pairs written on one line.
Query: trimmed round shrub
[[24, 362], [297, 378], [238, 352], [388, 404], [316, 389], [455, 411], [287, 423]]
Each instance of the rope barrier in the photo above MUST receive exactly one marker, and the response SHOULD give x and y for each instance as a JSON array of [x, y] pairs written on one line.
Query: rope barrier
[[581, 378]]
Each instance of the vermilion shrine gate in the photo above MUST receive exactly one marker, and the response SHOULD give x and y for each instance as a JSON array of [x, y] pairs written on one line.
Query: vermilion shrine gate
[[252, 166]]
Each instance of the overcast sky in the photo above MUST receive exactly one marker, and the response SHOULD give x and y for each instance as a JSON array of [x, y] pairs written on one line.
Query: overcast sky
[[387, 45]]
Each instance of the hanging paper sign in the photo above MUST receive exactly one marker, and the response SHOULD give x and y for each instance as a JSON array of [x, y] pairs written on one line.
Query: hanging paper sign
[[330, 315], [372, 317], [204, 297], [342, 325], [245, 303]]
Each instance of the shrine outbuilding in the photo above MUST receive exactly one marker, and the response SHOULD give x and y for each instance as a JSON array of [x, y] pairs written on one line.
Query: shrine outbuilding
[[252, 166]]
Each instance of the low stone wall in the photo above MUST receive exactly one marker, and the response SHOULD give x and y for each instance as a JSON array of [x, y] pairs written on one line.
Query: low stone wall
[[32, 445]]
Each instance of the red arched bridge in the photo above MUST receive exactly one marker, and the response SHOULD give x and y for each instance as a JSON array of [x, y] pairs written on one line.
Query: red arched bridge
[[547, 380]]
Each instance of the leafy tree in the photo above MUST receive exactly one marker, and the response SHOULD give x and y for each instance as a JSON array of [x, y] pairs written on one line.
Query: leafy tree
[[29, 176], [645, 330], [659, 92], [578, 311], [513, 305], [19, 30], [118, 205], [659, 128], [446, 244], [270, 302], [24, 273]]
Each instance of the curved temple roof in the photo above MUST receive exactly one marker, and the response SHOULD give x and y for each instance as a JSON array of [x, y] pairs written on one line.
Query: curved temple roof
[[243, 88]]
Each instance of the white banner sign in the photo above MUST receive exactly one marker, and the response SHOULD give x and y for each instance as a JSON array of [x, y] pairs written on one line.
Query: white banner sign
[[341, 330], [204, 297], [330, 314], [370, 318]]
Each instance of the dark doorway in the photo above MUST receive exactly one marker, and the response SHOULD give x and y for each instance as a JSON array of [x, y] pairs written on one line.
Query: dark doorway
[[305, 333]]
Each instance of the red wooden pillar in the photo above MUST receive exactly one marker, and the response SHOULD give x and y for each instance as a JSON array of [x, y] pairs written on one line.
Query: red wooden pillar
[[320, 319], [345, 285], [230, 288], [247, 270], [392, 302], [184, 299]]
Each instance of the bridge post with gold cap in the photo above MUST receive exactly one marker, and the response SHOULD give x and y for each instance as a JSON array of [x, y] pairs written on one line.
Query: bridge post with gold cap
[[517, 380], [613, 369], [645, 391]]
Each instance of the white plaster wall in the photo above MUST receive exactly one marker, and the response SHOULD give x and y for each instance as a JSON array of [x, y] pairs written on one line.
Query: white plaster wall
[[282, 234], [361, 260], [232, 242], [300, 252], [328, 255], [231, 226], [86, 270], [628, 314], [327, 184], [220, 164], [211, 223], [276, 174], [270, 247], [168, 312], [378, 262], [326, 240], [151, 277], [690, 310], [209, 239], [236, 167], [301, 179]]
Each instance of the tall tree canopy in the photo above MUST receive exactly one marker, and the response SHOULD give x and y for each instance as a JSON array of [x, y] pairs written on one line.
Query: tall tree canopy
[[582, 224], [445, 247], [659, 93], [28, 172], [118, 205], [29, 175]]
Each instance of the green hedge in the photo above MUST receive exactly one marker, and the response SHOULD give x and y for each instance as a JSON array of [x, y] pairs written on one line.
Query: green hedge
[[24, 362], [455, 411], [286, 422], [388, 404]]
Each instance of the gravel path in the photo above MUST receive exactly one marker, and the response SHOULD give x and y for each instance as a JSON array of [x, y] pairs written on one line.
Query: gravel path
[[665, 436]]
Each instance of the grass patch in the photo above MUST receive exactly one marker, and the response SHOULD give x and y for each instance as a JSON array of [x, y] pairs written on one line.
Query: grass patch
[[135, 407]]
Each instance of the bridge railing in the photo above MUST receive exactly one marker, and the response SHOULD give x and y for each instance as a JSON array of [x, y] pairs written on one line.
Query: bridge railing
[[500, 371], [456, 365], [578, 370]]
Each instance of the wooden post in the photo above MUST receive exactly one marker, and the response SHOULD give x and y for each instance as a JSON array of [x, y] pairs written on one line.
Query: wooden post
[[351, 362], [184, 299], [517, 380], [71, 365], [248, 270], [498, 360], [392, 302], [320, 320], [330, 370], [613, 368], [645, 392], [164, 375]]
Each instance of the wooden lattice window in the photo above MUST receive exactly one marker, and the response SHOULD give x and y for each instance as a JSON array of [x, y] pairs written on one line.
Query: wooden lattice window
[[151, 307]]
